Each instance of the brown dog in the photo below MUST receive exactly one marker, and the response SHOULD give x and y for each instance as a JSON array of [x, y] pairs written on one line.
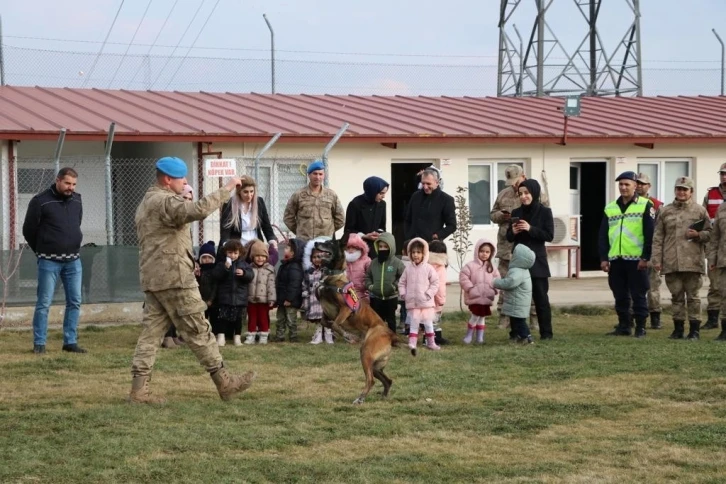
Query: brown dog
[[343, 311]]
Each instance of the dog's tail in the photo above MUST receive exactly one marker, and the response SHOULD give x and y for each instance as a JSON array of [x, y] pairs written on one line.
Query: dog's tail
[[396, 342]]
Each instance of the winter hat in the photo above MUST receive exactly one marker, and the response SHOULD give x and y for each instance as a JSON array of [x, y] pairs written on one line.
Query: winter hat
[[372, 186], [355, 240], [259, 248], [208, 249]]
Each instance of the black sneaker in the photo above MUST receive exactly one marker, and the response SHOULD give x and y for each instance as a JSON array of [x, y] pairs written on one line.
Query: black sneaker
[[74, 348], [39, 349], [526, 341]]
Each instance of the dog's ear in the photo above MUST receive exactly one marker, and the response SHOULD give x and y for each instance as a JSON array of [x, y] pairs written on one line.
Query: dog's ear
[[343, 242]]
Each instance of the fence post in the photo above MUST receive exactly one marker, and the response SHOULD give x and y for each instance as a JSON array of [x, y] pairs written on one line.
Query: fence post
[[109, 187], [272, 50], [262, 152], [723, 59], [58, 150], [329, 147]]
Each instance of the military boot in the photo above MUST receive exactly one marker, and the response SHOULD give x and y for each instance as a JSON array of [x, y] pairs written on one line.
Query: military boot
[[722, 336], [655, 321], [229, 385], [694, 327], [712, 321], [623, 327], [140, 392], [679, 328], [640, 328]]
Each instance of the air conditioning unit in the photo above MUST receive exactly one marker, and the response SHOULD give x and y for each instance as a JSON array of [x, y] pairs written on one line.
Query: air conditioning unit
[[567, 230]]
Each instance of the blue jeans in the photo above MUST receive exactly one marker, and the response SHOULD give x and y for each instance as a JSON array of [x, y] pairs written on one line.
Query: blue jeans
[[71, 275]]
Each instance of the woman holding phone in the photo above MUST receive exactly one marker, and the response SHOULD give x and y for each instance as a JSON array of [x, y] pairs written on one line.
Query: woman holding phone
[[366, 213], [532, 225]]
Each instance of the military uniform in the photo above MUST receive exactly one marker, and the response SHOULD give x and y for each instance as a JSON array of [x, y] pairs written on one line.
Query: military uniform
[[711, 202], [682, 259], [309, 215], [507, 200], [654, 305], [717, 258]]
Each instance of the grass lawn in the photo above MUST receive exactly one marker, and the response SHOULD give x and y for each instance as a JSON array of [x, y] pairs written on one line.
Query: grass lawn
[[581, 408]]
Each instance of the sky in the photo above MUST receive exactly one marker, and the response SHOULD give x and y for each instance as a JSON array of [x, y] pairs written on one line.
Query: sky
[[371, 46]]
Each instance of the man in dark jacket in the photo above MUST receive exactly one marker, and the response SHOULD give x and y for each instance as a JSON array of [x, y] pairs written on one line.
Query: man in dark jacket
[[431, 213], [52, 229]]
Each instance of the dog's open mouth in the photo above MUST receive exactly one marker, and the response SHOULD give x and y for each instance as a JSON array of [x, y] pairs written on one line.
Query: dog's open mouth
[[326, 253]]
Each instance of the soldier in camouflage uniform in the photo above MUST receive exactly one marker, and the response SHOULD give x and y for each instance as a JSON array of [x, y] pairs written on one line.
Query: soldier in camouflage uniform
[[654, 308], [717, 261], [507, 201], [711, 202], [682, 230], [166, 267]]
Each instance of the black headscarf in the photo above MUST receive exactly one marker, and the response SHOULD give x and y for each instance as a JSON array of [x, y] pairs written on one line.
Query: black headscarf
[[533, 187]]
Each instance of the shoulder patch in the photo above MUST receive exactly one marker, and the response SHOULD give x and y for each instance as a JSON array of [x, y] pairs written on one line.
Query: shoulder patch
[[652, 212]]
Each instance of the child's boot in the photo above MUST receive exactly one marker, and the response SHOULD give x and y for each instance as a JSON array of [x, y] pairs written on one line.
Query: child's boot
[[469, 334], [238, 340], [317, 336], [480, 334], [220, 339], [431, 342], [250, 338], [328, 335], [169, 343], [263, 337], [412, 342], [439, 337]]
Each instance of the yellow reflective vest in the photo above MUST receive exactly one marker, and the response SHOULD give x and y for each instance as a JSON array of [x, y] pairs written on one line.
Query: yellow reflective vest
[[625, 230]]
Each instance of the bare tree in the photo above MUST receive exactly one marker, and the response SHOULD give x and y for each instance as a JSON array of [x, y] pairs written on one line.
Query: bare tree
[[461, 241]]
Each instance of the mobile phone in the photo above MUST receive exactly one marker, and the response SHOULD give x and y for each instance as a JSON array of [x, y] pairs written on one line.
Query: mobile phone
[[514, 220]]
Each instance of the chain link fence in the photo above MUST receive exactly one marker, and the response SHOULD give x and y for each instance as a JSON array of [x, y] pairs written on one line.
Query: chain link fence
[[110, 257], [55, 68]]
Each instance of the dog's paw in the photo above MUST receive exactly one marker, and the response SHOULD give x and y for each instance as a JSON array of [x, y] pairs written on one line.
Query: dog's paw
[[413, 351]]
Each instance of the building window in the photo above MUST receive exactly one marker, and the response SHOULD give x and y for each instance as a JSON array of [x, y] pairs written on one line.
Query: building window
[[663, 175], [484, 188]]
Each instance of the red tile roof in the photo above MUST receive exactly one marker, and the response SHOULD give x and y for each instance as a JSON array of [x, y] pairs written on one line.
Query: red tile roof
[[39, 113]]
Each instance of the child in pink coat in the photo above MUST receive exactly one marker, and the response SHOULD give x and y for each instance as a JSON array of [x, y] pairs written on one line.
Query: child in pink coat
[[418, 286], [475, 280], [357, 263]]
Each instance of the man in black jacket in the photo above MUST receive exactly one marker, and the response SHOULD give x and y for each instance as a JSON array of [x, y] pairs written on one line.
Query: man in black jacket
[[431, 213], [52, 229]]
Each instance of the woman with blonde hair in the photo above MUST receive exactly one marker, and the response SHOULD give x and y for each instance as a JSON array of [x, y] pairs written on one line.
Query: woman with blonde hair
[[245, 218]]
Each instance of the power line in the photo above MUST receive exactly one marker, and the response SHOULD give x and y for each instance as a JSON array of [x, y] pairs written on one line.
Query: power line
[[98, 56], [177, 45], [194, 42], [123, 58], [158, 34]]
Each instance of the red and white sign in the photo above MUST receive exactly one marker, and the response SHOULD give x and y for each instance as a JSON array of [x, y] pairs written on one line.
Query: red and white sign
[[224, 167]]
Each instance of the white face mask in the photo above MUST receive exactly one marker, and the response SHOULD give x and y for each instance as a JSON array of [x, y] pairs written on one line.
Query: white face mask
[[353, 256]]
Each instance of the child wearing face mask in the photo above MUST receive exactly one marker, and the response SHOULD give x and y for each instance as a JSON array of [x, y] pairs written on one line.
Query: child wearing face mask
[[418, 286], [476, 280], [312, 265], [382, 278], [357, 263]]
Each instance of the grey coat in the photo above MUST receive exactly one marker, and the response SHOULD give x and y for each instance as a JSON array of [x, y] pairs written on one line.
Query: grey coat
[[517, 283]]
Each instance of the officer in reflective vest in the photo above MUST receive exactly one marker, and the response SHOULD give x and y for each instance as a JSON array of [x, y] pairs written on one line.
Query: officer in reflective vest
[[713, 199], [625, 243]]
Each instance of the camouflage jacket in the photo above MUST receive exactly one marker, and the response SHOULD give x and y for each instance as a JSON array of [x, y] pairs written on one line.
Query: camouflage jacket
[[508, 200], [671, 249], [309, 215], [717, 246], [165, 257]]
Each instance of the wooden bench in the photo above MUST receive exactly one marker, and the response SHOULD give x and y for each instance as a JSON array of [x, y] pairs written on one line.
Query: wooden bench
[[569, 249]]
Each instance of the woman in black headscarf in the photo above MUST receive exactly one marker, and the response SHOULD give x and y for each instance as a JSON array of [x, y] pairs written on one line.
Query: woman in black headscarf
[[366, 213], [535, 227]]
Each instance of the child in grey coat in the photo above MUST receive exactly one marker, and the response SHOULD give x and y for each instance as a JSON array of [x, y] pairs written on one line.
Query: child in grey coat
[[518, 285]]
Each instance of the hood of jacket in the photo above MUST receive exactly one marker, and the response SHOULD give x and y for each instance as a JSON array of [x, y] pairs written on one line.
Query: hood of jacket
[[355, 240], [438, 259], [388, 238], [299, 249], [308, 252], [522, 257], [477, 246], [425, 249]]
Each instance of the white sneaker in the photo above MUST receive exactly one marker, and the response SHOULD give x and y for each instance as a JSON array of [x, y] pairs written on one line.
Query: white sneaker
[[328, 333], [263, 338], [238, 340], [220, 339], [250, 338], [318, 336]]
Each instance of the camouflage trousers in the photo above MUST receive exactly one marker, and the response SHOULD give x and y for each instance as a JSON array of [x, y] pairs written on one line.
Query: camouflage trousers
[[654, 292], [286, 320], [184, 309], [721, 276], [684, 287], [715, 299], [503, 268]]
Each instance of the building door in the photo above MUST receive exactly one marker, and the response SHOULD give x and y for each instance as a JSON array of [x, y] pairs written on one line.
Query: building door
[[403, 185], [588, 196]]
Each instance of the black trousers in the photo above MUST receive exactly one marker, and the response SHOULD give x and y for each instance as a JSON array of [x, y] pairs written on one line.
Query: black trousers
[[540, 288], [386, 309], [518, 327], [628, 283]]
